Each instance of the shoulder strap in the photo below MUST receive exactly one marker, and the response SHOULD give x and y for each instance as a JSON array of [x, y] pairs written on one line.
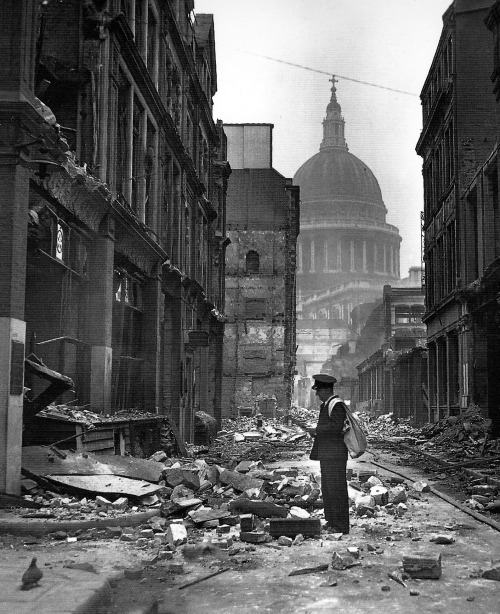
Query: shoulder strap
[[331, 402]]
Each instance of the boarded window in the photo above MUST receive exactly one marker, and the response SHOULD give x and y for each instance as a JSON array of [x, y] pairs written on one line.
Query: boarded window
[[255, 308], [254, 360]]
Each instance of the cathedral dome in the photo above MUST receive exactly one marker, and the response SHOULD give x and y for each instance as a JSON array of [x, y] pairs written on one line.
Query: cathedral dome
[[335, 178], [336, 173]]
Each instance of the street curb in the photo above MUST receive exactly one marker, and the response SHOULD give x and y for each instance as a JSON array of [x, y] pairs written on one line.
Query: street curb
[[26, 527]]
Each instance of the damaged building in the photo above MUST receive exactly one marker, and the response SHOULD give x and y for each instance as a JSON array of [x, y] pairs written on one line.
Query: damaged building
[[262, 225], [458, 145], [393, 377], [113, 209]]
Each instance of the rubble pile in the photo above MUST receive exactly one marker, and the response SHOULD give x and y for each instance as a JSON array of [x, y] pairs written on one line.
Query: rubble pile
[[386, 426], [254, 438], [468, 430], [75, 413]]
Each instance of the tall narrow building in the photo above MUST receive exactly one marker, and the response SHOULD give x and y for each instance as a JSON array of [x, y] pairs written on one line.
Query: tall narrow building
[[346, 251], [262, 226]]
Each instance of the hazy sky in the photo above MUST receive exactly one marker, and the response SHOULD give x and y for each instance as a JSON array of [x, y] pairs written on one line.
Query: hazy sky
[[385, 42]]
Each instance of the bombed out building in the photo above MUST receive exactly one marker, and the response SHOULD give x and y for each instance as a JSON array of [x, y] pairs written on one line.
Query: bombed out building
[[461, 221], [262, 225], [112, 206]]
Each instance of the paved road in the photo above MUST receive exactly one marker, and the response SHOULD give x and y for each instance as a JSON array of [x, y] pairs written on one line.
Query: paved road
[[261, 582]]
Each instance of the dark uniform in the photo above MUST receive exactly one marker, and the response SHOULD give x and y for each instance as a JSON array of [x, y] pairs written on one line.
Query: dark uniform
[[329, 448]]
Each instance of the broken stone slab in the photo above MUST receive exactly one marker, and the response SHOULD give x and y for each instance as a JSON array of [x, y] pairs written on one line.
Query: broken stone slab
[[183, 504], [421, 486], [340, 562], [423, 566], [494, 507], [373, 480], [483, 489], [401, 509], [102, 502], [380, 494], [176, 476], [206, 514], [263, 509], [244, 466], [363, 475], [253, 436], [298, 512], [239, 481], [398, 495], [120, 504], [491, 574], [442, 539], [212, 474], [285, 541], [262, 474]]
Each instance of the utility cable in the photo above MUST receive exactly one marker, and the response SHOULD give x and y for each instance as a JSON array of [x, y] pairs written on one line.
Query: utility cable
[[324, 72]]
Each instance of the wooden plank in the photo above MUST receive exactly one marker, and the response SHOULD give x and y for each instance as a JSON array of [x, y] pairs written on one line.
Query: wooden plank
[[98, 434], [99, 446], [105, 485], [39, 460]]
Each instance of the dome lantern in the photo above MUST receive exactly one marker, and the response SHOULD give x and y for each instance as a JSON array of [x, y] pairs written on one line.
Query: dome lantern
[[333, 124]]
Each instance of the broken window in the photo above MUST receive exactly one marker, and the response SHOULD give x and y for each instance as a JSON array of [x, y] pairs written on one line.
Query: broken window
[[408, 314], [128, 386]]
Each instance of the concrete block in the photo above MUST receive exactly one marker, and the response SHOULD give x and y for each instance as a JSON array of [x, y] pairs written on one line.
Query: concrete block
[[424, 566], [246, 522], [176, 534], [253, 537], [223, 528], [291, 527], [148, 533]]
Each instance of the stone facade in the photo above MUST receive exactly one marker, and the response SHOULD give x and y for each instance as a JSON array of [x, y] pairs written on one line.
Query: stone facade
[[458, 226], [262, 224], [392, 378], [113, 207]]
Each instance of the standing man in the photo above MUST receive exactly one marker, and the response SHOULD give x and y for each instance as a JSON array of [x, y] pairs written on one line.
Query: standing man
[[329, 448]]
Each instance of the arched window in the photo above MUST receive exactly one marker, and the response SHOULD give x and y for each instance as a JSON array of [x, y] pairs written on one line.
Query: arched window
[[252, 262]]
